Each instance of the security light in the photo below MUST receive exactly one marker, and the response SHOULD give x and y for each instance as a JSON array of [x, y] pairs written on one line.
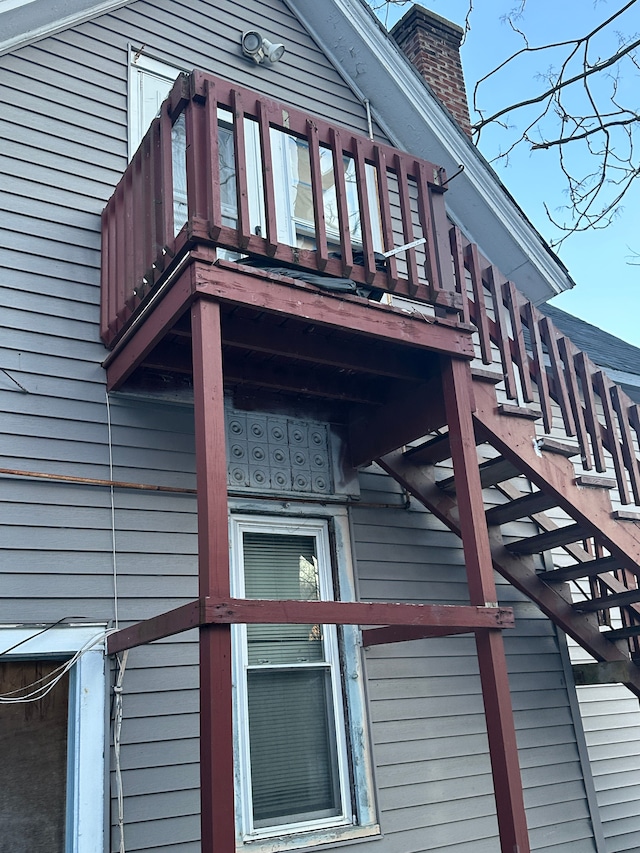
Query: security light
[[260, 49], [273, 52]]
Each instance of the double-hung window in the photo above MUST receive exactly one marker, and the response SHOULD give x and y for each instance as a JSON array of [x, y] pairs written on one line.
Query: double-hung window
[[295, 715]]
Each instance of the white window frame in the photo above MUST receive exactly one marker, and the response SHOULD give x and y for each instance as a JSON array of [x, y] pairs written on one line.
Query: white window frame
[[140, 65], [85, 809], [330, 526]]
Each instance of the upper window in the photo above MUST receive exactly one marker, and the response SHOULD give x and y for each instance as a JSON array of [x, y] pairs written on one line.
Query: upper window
[[294, 710], [150, 82]]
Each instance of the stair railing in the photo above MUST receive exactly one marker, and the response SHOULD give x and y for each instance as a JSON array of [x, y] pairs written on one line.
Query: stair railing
[[228, 167], [531, 351]]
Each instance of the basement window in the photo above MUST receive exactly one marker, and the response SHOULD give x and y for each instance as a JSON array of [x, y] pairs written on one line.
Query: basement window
[[304, 773], [52, 743]]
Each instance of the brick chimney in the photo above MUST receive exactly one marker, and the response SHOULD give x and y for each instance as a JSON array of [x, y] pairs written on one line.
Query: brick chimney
[[432, 45]]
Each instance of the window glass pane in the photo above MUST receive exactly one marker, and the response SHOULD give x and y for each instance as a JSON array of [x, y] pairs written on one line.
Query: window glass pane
[[227, 165], [179, 168], [301, 183], [282, 566], [294, 768], [33, 746], [352, 200], [375, 216]]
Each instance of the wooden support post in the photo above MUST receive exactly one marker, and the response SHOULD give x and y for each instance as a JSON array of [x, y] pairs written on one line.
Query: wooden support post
[[216, 721], [458, 398]]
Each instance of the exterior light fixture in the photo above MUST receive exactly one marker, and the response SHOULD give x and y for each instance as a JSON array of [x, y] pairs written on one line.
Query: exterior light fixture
[[260, 49]]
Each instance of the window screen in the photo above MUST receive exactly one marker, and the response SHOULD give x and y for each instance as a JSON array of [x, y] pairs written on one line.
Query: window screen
[[290, 693]]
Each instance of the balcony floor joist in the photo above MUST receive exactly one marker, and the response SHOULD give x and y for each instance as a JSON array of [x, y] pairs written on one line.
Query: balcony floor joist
[[293, 321]]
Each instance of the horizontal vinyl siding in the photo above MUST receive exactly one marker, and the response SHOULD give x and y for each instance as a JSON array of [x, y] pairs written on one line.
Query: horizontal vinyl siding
[[64, 122], [64, 126]]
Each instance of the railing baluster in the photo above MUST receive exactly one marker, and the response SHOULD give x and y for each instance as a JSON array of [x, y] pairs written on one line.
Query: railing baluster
[[585, 371], [271, 215], [164, 184], [542, 381], [317, 192], [363, 204], [138, 229], [621, 406], [496, 290], [634, 419], [457, 255], [518, 339], [385, 213], [212, 155], [427, 225], [481, 318], [562, 396], [341, 197], [407, 223], [146, 193], [120, 266], [198, 204], [603, 387], [106, 274], [244, 225], [566, 351], [130, 281]]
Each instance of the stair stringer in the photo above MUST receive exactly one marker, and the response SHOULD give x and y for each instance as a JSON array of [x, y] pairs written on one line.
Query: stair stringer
[[516, 440], [519, 571]]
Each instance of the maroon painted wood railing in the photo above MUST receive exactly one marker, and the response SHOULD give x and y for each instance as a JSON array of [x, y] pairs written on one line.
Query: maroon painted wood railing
[[593, 410], [397, 197]]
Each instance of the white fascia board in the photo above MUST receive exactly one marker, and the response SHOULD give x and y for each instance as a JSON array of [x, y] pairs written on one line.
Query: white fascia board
[[400, 100], [23, 22]]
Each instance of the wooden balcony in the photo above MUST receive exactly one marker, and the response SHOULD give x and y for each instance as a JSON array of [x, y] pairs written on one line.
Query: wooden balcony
[[264, 183]]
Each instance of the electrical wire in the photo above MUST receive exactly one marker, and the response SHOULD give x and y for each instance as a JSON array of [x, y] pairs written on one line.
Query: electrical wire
[[41, 687], [113, 515], [117, 730], [37, 634]]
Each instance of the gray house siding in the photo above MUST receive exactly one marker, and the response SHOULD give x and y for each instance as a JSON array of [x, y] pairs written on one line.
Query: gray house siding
[[64, 126]]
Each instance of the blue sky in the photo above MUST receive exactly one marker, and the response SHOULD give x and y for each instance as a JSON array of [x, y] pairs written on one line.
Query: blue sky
[[607, 291]]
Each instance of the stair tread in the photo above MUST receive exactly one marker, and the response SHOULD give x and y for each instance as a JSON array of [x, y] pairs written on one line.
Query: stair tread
[[520, 507], [622, 633], [588, 569], [430, 452], [594, 481], [554, 445], [549, 539], [616, 599], [626, 515], [519, 411], [492, 472]]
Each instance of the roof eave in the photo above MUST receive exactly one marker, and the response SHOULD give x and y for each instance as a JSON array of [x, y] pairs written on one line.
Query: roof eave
[[32, 20], [416, 121]]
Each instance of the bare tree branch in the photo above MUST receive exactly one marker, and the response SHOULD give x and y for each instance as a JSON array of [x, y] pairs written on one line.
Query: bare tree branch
[[581, 121], [562, 84], [586, 110]]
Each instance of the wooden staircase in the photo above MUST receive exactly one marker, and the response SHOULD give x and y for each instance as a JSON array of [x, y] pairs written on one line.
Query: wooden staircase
[[558, 447]]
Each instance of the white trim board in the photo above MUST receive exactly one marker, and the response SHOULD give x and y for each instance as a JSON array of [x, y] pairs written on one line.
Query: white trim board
[[21, 26]]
